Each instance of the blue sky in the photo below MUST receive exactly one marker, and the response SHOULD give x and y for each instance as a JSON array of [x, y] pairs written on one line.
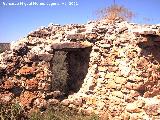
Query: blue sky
[[18, 20]]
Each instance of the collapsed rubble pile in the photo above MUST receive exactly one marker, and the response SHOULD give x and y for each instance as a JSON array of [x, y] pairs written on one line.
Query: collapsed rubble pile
[[123, 77]]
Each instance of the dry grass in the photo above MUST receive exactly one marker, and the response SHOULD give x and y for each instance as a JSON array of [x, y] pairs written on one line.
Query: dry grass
[[10, 111], [57, 112], [60, 112]]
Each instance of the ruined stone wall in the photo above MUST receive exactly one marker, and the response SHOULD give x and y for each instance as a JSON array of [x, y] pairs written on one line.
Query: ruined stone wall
[[122, 80]]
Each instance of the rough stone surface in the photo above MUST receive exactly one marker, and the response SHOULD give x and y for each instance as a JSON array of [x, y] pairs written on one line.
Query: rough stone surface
[[123, 76]]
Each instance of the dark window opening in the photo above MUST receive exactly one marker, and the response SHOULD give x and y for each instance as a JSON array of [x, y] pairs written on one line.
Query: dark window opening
[[69, 69]]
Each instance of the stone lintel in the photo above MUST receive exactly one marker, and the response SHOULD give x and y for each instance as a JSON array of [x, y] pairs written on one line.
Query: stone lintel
[[70, 45]]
